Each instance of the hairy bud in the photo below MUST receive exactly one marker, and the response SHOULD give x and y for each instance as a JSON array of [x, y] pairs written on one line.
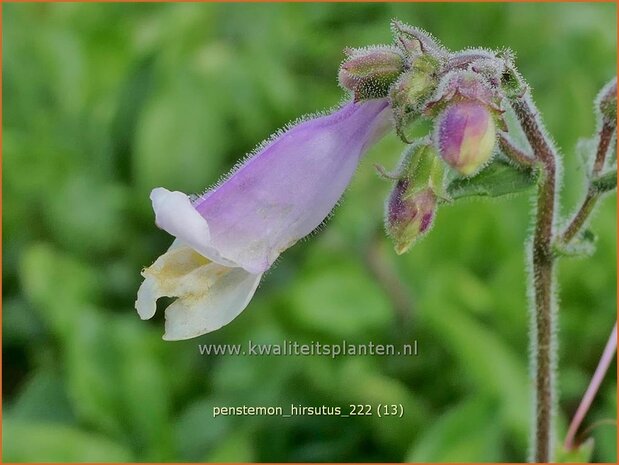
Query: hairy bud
[[369, 72], [409, 217], [414, 86], [412, 204], [466, 136], [415, 40], [411, 91]]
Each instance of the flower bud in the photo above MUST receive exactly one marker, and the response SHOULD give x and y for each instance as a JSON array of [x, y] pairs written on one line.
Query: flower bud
[[409, 217], [415, 40], [466, 136], [412, 204], [414, 86], [369, 73], [410, 92]]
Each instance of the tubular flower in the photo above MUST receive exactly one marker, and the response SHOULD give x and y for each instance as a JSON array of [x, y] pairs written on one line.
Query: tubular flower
[[228, 237]]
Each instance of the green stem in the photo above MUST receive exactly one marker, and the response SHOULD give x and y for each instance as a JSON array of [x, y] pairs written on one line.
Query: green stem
[[519, 156], [593, 192], [543, 321]]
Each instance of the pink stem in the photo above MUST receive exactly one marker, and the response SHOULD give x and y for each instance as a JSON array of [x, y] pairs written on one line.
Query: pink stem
[[594, 385]]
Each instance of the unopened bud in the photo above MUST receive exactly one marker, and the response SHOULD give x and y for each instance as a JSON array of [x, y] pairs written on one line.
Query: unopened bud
[[415, 40], [411, 91], [466, 136], [409, 217], [412, 204], [414, 86], [369, 73]]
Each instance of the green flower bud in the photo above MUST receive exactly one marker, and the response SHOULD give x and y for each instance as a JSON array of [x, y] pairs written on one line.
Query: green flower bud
[[412, 89], [412, 204], [369, 72], [414, 86]]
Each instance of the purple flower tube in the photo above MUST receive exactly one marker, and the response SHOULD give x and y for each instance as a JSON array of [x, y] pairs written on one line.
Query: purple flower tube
[[228, 237]]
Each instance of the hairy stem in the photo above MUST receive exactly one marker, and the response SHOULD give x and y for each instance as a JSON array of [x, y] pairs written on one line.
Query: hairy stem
[[593, 193], [514, 153], [543, 321], [594, 385]]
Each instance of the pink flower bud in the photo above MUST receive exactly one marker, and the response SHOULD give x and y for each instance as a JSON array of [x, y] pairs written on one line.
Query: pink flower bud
[[369, 73], [466, 135], [409, 216]]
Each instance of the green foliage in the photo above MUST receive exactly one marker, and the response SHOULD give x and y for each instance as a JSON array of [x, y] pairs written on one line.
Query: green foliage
[[28, 442], [103, 102], [465, 433], [497, 179], [581, 454]]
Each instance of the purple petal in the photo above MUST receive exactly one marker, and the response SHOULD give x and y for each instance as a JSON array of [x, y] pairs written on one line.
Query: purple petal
[[280, 194]]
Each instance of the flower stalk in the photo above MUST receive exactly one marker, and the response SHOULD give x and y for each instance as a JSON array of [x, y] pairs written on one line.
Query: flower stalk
[[544, 316], [593, 192]]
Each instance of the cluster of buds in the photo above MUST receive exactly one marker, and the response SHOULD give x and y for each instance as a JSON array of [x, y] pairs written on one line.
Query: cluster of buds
[[459, 92]]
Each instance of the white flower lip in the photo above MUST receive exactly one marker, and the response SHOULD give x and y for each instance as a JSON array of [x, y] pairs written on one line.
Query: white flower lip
[[208, 295]]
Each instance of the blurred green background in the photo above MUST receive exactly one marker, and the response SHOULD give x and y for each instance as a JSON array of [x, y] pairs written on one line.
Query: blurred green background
[[103, 102]]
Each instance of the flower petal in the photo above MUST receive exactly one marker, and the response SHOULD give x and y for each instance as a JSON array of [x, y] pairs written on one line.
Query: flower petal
[[209, 295], [175, 215], [288, 188]]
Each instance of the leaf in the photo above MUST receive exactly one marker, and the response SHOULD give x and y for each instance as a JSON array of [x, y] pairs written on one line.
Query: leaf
[[466, 433], [196, 432], [487, 362], [24, 441], [179, 141], [43, 398], [580, 454], [497, 179], [118, 383], [341, 301], [360, 381], [86, 215], [57, 285], [237, 447]]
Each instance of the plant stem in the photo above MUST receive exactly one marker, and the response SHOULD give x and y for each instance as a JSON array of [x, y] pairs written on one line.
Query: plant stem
[[543, 321], [593, 194], [594, 385], [514, 153]]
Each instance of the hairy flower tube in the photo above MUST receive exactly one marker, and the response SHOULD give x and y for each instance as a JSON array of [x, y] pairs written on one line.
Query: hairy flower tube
[[228, 237]]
